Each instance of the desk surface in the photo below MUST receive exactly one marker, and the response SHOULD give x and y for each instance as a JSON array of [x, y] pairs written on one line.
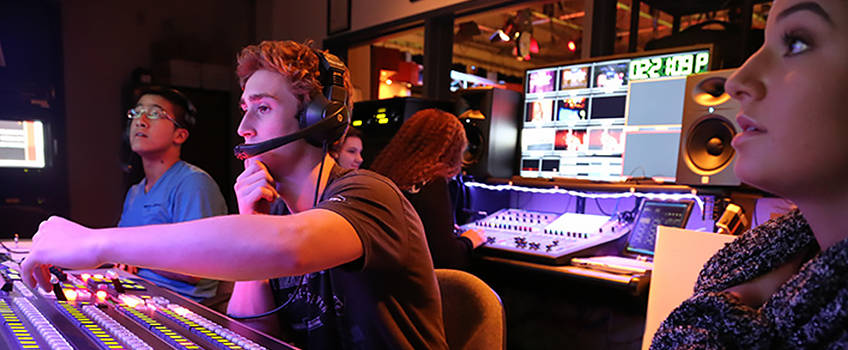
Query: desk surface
[[635, 284]]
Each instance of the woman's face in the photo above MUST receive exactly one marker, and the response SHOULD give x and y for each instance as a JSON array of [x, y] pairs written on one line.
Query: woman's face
[[792, 92], [350, 154]]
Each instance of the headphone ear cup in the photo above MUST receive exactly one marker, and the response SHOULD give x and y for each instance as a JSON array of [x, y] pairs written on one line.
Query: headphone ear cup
[[314, 111]]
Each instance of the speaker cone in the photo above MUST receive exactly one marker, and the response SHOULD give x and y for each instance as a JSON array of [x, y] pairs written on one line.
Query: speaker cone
[[708, 146]]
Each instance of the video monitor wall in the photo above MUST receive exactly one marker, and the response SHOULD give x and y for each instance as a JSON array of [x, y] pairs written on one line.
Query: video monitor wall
[[574, 123], [22, 144]]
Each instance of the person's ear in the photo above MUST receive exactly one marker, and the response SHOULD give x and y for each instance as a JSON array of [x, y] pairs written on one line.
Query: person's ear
[[180, 136]]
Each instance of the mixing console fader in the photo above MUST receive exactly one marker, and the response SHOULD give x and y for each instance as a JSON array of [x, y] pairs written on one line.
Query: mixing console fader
[[545, 237], [112, 310]]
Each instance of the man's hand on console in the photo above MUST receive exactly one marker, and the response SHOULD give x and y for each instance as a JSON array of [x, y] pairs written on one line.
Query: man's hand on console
[[59, 242]]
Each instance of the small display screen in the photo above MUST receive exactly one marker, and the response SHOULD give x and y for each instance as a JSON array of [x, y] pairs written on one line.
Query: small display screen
[[643, 236], [574, 78], [570, 140], [541, 81], [611, 76], [22, 144], [609, 107], [541, 111], [572, 110]]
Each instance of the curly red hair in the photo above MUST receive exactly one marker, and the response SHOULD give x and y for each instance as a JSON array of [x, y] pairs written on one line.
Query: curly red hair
[[295, 61], [428, 145]]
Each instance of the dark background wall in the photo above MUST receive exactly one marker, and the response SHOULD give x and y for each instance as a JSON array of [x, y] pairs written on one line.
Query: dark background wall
[[85, 52], [103, 42]]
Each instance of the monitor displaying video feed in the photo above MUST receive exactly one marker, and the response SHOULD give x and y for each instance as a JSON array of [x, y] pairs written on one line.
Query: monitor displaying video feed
[[22, 144], [572, 109], [610, 76], [539, 111], [654, 116], [574, 123], [574, 78], [541, 81]]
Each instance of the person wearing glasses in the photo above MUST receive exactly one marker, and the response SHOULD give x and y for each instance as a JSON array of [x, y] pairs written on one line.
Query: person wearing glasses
[[171, 190]]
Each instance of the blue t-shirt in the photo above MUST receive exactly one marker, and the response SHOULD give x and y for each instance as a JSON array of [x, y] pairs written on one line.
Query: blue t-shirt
[[183, 193]]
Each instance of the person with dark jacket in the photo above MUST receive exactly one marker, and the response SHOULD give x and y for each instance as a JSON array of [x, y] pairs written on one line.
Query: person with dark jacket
[[421, 158]]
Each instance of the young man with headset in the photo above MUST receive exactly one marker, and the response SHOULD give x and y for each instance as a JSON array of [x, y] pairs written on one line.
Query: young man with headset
[[352, 271], [172, 190]]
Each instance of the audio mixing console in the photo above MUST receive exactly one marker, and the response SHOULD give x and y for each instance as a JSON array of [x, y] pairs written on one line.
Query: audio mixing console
[[113, 310], [545, 237]]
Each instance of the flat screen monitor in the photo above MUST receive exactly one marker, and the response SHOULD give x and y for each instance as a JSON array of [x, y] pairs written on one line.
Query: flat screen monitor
[[575, 123], [643, 235], [654, 114], [22, 144]]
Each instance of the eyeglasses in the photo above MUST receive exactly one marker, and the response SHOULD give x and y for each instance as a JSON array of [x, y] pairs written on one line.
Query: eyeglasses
[[152, 113]]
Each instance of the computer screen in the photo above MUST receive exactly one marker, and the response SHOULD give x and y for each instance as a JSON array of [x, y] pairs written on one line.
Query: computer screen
[[22, 144], [653, 213], [575, 120], [654, 114]]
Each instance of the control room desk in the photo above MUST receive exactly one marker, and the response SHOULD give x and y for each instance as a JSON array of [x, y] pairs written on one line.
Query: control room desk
[[566, 307]]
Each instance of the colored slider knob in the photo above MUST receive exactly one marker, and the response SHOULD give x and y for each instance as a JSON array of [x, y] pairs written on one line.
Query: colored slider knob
[[60, 294], [61, 275], [116, 281], [7, 285]]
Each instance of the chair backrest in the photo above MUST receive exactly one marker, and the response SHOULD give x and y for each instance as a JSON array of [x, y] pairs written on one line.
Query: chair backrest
[[473, 313]]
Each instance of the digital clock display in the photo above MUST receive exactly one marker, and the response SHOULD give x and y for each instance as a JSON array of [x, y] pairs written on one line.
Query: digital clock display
[[672, 65]]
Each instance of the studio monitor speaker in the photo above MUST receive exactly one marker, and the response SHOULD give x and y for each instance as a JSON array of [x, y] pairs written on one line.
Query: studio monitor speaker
[[491, 117], [709, 124]]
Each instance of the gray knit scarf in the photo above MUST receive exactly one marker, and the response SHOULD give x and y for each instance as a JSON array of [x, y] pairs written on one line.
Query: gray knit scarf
[[809, 311]]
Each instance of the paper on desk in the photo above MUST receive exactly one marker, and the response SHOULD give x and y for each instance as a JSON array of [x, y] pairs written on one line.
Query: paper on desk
[[679, 257]]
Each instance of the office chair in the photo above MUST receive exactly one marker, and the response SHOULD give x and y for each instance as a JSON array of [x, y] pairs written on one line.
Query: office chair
[[473, 313]]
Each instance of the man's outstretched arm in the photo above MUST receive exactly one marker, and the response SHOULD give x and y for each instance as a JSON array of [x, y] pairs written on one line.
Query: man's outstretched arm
[[233, 248]]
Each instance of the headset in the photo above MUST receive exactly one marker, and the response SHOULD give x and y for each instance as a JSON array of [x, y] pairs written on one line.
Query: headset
[[324, 120]]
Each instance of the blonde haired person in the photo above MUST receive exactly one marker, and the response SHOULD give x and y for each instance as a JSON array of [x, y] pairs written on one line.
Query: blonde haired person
[[352, 272]]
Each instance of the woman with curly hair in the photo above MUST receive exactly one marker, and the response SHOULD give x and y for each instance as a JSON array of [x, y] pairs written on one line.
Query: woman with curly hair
[[421, 158]]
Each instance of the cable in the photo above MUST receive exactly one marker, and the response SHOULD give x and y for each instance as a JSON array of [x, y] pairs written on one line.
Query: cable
[[278, 308], [320, 171], [598, 204], [10, 250], [302, 277]]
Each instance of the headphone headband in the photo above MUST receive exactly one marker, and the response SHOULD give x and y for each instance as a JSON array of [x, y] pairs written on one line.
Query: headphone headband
[[323, 121]]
